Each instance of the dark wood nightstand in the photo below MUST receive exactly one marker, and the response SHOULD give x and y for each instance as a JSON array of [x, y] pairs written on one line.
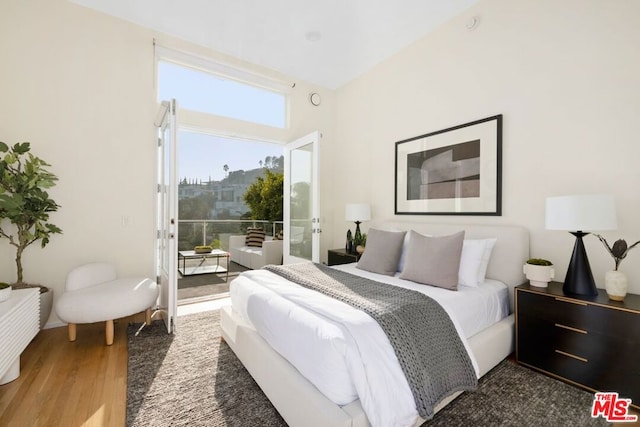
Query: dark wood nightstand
[[592, 342], [341, 256]]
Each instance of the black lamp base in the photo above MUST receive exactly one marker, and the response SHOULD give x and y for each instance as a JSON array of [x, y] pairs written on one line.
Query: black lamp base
[[357, 237], [579, 279]]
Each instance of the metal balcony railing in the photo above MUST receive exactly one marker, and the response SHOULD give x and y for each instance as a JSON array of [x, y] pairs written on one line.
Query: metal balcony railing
[[216, 232]]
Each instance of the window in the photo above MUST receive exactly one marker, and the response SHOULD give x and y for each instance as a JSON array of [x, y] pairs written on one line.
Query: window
[[209, 93]]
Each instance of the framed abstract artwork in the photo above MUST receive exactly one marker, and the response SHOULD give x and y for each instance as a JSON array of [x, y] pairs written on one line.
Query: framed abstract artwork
[[454, 171]]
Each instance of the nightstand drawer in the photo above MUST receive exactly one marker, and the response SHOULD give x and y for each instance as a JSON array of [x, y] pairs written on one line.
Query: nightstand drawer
[[597, 373], [537, 337], [568, 365], [545, 307]]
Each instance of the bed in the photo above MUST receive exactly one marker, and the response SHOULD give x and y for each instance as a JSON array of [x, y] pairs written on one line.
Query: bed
[[300, 402]]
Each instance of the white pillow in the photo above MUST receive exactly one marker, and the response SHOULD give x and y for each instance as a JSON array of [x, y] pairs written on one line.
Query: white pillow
[[474, 261], [471, 261], [403, 254], [482, 273]]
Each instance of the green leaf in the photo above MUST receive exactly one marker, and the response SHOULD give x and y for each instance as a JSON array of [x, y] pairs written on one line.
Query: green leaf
[[21, 148], [3, 147], [53, 229], [10, 158]]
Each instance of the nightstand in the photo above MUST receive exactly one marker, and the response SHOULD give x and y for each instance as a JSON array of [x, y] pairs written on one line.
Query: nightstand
[[341, 256], [591, 342]]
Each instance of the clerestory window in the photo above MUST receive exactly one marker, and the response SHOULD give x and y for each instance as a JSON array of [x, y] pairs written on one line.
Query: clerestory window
[[220, 95]]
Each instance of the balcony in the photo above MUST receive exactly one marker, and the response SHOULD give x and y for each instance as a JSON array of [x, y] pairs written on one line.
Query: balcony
[[216, 233]]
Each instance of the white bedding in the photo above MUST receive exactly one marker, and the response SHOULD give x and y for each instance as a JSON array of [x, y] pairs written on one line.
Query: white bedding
[[343, 351]]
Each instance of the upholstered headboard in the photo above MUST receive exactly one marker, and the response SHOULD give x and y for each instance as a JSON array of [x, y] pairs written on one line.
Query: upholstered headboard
[[509, 253]]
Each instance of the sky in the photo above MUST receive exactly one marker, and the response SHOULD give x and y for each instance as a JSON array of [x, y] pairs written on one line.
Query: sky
[[201, 156]]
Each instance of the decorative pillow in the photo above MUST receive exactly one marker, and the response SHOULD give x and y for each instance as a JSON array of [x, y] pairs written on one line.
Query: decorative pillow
[[255, 237], [482, 272], [434, 261], [279, 235], [470, 262], [383, 252], [405, 245]]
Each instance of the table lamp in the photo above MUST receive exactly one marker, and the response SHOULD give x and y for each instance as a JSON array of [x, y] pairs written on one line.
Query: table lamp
[[580, 215]]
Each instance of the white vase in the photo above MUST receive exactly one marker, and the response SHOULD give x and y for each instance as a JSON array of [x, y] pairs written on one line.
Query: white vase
[[539, 275], [615, 282]]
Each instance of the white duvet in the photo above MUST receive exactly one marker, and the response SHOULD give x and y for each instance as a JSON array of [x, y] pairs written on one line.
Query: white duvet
[[342, 350]]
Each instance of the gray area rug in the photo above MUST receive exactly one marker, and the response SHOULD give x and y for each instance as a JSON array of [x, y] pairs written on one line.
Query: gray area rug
[[192, 378]]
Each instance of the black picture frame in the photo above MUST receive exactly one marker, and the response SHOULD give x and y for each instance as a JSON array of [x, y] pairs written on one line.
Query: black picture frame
[[453, 171]]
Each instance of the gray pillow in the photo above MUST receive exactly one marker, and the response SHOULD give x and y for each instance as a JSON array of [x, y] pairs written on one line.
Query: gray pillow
[[382, 252], [433, 261]]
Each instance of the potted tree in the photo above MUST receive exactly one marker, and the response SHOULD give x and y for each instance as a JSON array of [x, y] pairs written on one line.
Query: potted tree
[[539, 271], [24, 209]]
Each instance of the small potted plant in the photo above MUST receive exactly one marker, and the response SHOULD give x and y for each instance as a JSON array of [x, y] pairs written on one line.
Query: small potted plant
[[5, 291], [539, 271], [202, 249]]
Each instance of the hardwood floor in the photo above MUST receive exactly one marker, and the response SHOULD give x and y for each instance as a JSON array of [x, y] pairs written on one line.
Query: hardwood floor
[[61, 383]]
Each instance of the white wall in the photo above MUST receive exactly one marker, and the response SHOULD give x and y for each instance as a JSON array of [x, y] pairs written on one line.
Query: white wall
[[565, 77], [79, 85]]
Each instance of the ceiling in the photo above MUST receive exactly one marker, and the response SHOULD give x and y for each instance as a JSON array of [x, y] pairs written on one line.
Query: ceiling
[[324, 42]]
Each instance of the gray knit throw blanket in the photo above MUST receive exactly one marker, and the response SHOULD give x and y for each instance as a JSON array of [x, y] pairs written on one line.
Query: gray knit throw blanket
[[431, 354]]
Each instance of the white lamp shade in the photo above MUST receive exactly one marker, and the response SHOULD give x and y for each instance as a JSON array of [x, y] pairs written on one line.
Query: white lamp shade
[[581, 213], [357, 212]]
